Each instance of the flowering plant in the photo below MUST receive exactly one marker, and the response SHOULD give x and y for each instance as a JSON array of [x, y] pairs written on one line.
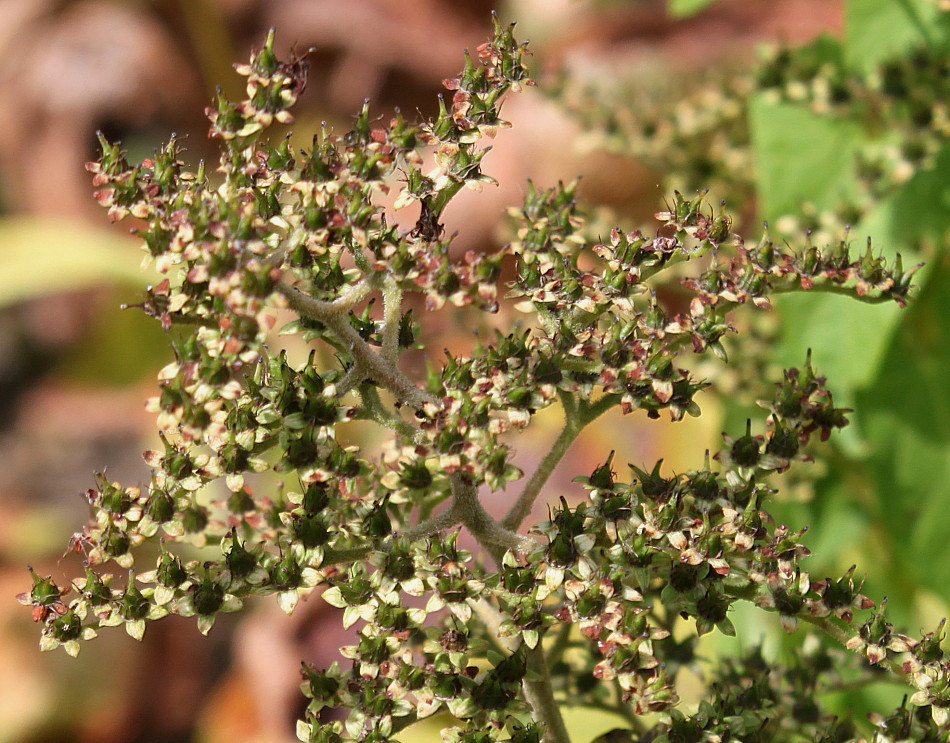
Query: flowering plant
[[599, 605]]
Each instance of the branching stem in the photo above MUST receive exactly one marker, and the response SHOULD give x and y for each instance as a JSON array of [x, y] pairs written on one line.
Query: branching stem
[[490, 534], [577, 414], [367, 363], [374, 410]]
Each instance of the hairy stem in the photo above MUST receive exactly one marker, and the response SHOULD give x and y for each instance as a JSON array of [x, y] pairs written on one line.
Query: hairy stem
[[540, 696], [576, 416], [392, 304], [842, 635], [538, 692], [374, 410], [822, 288], [367, 363], [490, 534], [432, 526]]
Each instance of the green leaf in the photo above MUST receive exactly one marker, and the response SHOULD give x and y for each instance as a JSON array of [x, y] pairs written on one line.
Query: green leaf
[[801, 157], [848, 339], [43, 255], [906, 416], [920, 209], [684, 8], [877, 30]]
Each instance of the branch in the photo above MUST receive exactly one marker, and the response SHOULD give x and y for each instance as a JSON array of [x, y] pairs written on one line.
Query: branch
[[374, 410], [317, 309], [828, 288], [367, 363], [843, 636], [392, 304], [540, 695], [432, 526], [575, 418], [490, 534], [496, 539]]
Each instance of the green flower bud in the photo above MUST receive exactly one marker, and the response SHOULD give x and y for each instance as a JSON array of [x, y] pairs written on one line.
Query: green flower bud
[[287, 573], [66, 627], [240, 562], [170, 571], [207, 596], [745, 451], [311, 531], [160, 507], [133, 605], [322, 686]]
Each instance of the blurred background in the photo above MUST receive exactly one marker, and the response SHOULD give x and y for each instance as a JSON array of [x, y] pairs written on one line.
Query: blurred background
[[75, 369]]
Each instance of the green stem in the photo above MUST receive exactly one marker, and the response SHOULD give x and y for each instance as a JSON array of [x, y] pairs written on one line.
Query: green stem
[[492, 535], [342, 557], [392, 304], [496, 540], [367, 363], [522, 507], [576, 417], [432, 526], [374, 410], [540, 695], [844, 291], [842, 635]]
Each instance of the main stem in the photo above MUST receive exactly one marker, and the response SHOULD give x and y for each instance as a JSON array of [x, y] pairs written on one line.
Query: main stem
[[538, 692], [540, 695]]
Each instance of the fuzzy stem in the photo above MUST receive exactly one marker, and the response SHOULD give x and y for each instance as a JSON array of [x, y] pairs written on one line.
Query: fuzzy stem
[[822, 288], [392, 303], [341, 557], [374, 410], [576, 416], [432, 526], [490, 534], [368, 364], [540, 695], [538, 692], [843, 636]]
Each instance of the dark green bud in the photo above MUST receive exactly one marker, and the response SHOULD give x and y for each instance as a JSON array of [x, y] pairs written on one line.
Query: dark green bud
[[170, 571], [745, 451], [208, 596], [133, 604], [287, 573], [240, 562], [311, 531], [66, 627], [161, 507]]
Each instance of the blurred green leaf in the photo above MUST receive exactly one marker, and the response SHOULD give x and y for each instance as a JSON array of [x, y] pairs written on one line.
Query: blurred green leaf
[[121, 346], [876, 30], [684, 8], [801, 157], [920, 209], [905, 414], [848, 340], [44, 255]]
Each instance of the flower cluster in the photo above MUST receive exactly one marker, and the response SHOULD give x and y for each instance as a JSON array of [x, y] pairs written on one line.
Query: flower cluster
[[588, 607]]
